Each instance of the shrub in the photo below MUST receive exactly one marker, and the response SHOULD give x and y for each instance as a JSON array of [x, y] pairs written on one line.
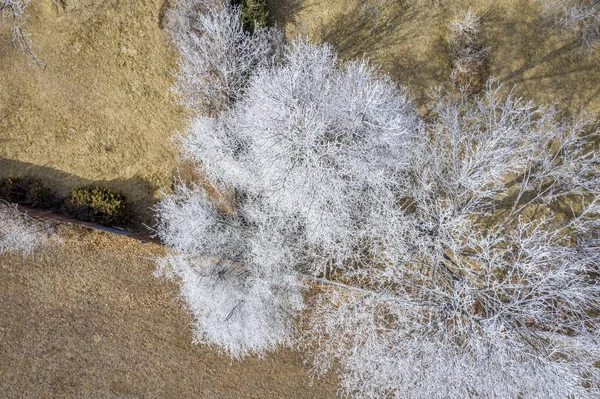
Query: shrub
[[253, 14], [28, 191], [98, 205], [467, 55], [20, 233]]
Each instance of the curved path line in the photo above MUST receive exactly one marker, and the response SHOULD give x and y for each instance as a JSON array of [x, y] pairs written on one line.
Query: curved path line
[[49, 215]]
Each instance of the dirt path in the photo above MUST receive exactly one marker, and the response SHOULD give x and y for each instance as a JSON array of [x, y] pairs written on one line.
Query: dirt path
[[88, 319]]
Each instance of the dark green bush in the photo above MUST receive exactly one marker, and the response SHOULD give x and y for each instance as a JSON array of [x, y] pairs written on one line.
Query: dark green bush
[[98, 205], [28, 191], [253, 14]]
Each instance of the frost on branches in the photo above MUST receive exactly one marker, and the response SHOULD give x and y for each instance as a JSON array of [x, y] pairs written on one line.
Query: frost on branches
[[492, 288], [315, 155], [580, 17], [216, 55], [20, 233], [452, 257]]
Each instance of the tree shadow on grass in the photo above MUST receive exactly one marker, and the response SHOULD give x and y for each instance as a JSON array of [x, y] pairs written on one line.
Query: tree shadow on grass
[[139, 193], [541, 62], [413, 55], [282, 12]]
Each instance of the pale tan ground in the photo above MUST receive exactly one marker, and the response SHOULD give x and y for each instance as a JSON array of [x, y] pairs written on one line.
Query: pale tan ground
[[87, 319], [545, 65], [101, 112]]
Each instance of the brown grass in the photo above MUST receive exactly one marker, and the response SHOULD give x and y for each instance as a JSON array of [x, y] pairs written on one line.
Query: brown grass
[[101, 113], [546, 66], [98, 324]]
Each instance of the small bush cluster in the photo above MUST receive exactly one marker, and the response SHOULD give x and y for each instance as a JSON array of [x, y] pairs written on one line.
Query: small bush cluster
[[253, 14], [467, 54], [28, 191], [98, 205], [20, 233], [95, 204]]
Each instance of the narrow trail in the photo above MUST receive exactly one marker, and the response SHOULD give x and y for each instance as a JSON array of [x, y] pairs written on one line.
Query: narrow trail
[[56, 217]]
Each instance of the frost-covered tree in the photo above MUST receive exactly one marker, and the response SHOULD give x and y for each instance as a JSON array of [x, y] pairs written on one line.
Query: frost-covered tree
[[217, 56], [490, 288], [314, 153], [579, 17], [20, 233], [451, 257]]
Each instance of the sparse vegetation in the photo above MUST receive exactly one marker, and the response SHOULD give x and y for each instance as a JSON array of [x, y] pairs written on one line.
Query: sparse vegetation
[[468, 56], [14, 14], [580, 18], [375, 10], [20, 233]]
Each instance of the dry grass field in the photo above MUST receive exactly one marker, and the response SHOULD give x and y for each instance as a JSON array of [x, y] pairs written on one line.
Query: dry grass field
[[410, 45], [87, 319], [101, 112]]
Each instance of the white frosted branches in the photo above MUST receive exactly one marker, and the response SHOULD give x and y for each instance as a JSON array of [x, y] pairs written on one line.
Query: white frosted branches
[[20, 233], [454, 256], [497, 296], [217, 55], [314, 152], [236, 278], [579, 17], [315, 149], [13, 13]]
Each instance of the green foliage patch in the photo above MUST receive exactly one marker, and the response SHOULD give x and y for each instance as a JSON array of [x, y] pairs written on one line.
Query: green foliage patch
[[254, 14], [28, 191], [98, 205]]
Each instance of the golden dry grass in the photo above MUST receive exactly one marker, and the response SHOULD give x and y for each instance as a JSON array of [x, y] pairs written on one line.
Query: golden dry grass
[[88, 319], [102, 111], [545, 65]]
